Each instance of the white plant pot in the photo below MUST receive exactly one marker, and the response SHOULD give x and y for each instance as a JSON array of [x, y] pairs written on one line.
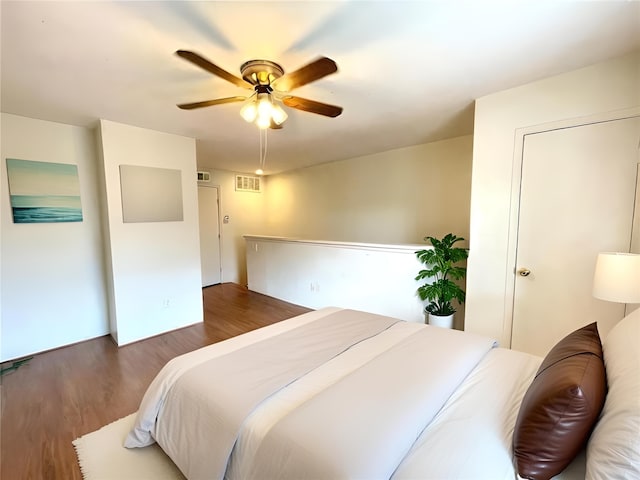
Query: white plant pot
[[440, 321]]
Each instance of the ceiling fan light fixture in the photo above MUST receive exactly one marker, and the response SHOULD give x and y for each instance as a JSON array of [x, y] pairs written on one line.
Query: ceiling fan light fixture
[[261, 110], [249, 111], [266, 77], [265, 107], [263, 122], [278, 114]]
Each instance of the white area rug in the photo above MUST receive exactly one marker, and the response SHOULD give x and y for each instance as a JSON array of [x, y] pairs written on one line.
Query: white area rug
[[102, 457]]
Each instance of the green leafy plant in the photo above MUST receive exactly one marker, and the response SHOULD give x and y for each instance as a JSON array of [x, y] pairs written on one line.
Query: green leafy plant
[[440, 262]]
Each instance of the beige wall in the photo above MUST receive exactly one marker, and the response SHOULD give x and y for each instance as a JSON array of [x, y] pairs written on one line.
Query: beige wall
[[606, 89], [246, 211], [398, 196], [390, 197]]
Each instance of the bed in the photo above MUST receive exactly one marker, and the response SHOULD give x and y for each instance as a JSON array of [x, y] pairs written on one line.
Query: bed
[[339, 393]]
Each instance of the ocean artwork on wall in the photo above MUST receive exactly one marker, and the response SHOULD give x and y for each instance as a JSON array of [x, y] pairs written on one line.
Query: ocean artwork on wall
[[44, 192]]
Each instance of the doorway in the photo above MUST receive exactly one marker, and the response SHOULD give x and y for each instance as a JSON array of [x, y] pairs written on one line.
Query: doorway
[[209, 220], [577, 197]]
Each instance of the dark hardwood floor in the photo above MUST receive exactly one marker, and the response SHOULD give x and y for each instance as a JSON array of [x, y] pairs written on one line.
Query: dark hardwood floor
[[65, 393]]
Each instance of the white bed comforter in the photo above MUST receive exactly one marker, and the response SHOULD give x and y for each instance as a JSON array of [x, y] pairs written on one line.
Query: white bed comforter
[[409, 401]]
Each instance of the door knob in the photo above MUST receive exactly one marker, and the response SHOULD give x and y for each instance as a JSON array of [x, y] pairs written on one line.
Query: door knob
[[524, 272]]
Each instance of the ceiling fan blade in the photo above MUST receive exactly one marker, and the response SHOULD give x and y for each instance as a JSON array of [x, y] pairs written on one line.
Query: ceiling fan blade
[[315, 70], [211, 68], [312, 106], [208, 103]]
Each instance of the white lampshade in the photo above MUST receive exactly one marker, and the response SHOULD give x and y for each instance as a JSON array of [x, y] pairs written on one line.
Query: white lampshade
[[249, 111], [260, 109], [278, 114], [617, 277]]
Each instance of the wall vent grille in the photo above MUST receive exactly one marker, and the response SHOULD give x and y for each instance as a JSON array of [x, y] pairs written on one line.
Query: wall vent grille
[[204, 176], [246, 183]]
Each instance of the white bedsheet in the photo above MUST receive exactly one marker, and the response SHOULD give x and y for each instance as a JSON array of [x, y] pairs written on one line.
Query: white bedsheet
[[143, 433], [363, 425], [260, 422], [469, 438]]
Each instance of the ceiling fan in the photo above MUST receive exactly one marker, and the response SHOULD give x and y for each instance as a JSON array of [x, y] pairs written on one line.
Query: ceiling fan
[[269, 82]]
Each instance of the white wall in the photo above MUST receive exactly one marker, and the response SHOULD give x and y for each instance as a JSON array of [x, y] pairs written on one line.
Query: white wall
[[154, 267], [375, 278], [393, 197], [52, 274], [599, 89]]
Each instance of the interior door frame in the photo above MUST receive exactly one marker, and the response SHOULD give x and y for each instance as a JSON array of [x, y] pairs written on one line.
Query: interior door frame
[[516, 181], [219, 220]]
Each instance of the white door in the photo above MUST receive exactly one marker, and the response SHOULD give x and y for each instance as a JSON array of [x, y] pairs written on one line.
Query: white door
[[577, 199], [208, 207]]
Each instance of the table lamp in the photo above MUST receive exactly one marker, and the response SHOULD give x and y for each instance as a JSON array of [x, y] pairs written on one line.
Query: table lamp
[[617, 277]]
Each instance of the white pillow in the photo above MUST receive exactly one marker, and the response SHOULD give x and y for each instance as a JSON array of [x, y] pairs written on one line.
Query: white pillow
[[613, 451]]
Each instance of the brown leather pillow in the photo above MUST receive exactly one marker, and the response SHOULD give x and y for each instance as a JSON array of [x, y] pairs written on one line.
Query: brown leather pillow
[[561, 406]]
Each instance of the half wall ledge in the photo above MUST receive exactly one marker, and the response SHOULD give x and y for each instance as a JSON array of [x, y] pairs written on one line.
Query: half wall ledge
[[376, 278]]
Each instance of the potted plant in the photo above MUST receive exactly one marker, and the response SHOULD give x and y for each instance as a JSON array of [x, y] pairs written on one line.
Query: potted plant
[[441, 269]]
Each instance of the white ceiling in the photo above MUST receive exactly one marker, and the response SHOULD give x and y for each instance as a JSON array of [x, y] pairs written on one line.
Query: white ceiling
[[408, 71]]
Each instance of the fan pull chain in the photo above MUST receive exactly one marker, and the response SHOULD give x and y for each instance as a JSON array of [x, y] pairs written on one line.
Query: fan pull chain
[[263, 148]]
